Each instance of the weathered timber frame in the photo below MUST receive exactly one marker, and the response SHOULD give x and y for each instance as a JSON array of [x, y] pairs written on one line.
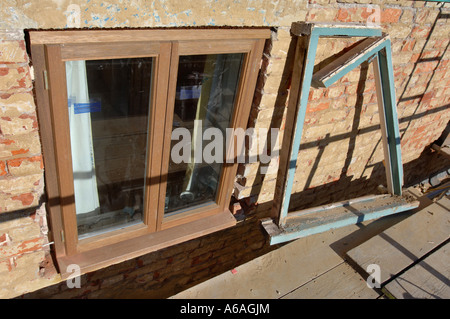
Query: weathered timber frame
[[49, 51], [376, 48]]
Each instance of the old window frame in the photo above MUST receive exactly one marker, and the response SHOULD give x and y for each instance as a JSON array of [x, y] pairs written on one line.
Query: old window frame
[[285, 226], [49, 50]]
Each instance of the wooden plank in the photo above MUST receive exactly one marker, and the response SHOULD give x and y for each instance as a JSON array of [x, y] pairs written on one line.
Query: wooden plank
[[49, 153], [96, 51], [341, 204], [215, 47], [278, 272], [101, 239], [290, 124], [163, 34], [156, 123], [351, 59], [301, 28], [347, 32], [428, 279], [61, 134], [305, 84], [313, 221], [341, 282], [404, 243], [386, 73], [384, 132]]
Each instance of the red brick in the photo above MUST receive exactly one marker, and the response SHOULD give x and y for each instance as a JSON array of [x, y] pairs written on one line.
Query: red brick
[[335, 92], [440, 43], [30, 245], [316, 94], [344, 15], [427, 96], [5, 141], [18, 161], [408, 45], [369, 87], [13, 51], [420, 130], [236, 208], [443, 64], [414, 58], [4, 239], [4, 71], [26, 199], [19, 152], [3, 168], [10, 263], [351, 89], [420, 32], [390, 15], [430, 54], [15, 77], [365, 14], [317, 107], [423, 67], [32, 117]]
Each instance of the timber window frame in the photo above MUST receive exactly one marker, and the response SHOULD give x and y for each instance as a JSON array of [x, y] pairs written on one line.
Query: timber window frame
[[49, 50]]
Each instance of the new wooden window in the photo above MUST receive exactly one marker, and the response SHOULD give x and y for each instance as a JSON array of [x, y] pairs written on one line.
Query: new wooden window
[[108, 102]]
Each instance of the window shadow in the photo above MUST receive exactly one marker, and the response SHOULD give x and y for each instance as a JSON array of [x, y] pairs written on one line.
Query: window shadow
[[421, 97]]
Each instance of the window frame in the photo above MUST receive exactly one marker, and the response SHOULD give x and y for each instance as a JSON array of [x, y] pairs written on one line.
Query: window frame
[[50, 50]]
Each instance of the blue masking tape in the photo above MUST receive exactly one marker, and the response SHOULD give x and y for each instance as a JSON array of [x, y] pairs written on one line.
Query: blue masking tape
[[189, 92], [90, 107]]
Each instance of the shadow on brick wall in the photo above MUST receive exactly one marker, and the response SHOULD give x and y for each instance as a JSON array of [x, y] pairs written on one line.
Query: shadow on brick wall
[[423, 97]]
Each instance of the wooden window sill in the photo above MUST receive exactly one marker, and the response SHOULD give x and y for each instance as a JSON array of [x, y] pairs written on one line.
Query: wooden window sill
[[95, 259]]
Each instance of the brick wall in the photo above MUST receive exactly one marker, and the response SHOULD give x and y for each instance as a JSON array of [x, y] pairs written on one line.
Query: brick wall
[[23, 226], [341, 154]]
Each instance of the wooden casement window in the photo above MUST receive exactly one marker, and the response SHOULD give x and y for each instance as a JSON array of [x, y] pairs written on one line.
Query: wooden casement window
[[108, 102]]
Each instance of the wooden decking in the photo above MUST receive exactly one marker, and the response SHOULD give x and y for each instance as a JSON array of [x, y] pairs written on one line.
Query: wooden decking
[[411, 249], [413, 255]]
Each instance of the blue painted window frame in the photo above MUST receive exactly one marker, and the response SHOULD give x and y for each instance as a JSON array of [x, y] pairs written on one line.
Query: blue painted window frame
[[381, 56]]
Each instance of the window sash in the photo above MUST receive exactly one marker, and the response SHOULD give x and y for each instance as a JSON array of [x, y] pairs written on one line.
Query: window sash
[[58, 99], [225, 184]]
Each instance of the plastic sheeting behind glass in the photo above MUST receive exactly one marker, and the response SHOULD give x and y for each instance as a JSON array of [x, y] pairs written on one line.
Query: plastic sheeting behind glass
[[108, 104]]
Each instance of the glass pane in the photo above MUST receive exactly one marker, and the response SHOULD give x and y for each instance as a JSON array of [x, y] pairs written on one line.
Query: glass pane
[[206, 92], [108, 114]]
